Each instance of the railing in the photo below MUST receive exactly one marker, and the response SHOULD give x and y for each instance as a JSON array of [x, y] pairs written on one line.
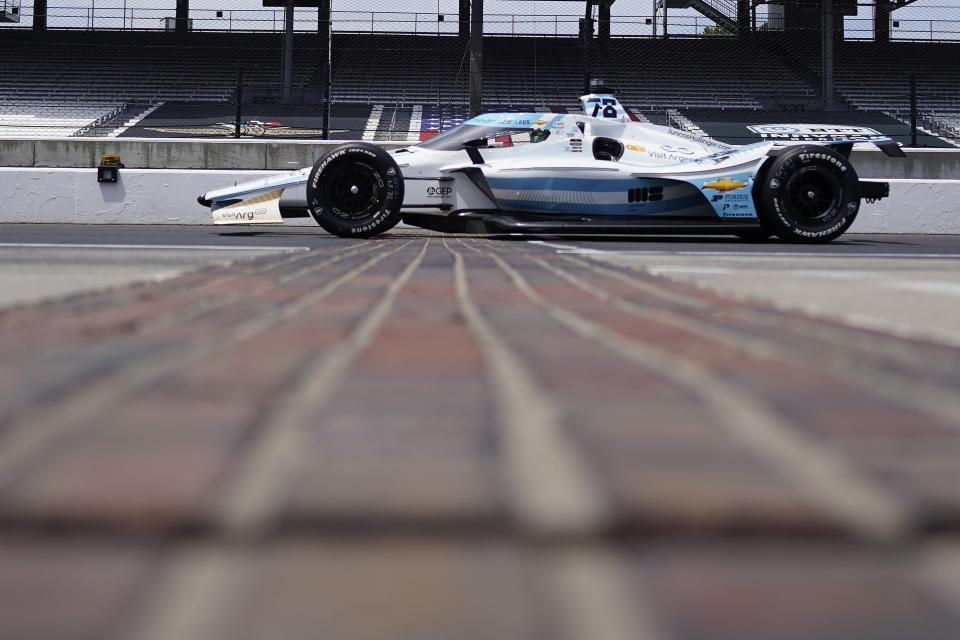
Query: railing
[[97, 124], [911, 30], [123, 18], [726, 7], [93, 17]]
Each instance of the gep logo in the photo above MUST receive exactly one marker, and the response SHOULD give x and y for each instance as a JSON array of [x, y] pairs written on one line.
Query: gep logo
[[439, 191]]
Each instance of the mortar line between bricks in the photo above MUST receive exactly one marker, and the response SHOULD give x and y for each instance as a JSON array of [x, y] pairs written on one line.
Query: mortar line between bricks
[[844, 336], [193, 310], [939, 571], [190, 596], [251, 499], [930, 399], [551, 489], [923, 396], [271, 263], [650, 288], [821, 475], [594, 597], [29, 433], [204, 307]]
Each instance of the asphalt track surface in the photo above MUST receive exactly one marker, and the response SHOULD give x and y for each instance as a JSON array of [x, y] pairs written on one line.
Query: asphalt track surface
[[425, 436], [315, 238]]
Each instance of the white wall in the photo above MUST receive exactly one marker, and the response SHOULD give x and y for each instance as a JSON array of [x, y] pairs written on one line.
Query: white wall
[[157, 196]]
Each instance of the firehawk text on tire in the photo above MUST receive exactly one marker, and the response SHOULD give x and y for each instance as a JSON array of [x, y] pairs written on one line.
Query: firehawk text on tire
[[809, 194], [355, 191]]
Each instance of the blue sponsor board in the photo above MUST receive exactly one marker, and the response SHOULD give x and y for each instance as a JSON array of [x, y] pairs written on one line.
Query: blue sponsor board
[[731, 196]]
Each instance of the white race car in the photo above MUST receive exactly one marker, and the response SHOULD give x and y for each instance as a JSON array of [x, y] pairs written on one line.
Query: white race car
[[599, 171]]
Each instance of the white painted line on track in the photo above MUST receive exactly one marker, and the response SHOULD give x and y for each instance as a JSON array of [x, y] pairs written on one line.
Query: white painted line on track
[[204, 247], [921, 286], [564, 248], [690, 270]]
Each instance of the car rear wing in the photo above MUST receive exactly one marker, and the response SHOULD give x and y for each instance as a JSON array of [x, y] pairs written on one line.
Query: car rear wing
[[841, 137]]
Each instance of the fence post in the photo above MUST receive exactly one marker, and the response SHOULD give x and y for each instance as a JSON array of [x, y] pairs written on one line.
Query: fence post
[[476, 59], [236, 124], [913, 109], [325, 25]]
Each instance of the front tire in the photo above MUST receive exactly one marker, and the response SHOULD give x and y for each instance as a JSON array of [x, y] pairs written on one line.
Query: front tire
[[809, 195], [355, 191]]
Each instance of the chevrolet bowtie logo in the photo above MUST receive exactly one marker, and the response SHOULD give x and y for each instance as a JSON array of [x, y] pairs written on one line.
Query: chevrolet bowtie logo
[[725, 184]]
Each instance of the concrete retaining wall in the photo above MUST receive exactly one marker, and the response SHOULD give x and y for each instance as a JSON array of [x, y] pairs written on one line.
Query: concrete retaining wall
[[153, 153], [145, 196], [914, 206], [287, 155], [142, 196]]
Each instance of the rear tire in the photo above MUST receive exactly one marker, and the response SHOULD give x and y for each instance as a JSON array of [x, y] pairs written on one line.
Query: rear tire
[[355, 191], [809, 195]]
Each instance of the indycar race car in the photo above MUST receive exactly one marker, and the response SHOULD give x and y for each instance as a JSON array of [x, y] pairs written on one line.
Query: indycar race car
[[599, 171]]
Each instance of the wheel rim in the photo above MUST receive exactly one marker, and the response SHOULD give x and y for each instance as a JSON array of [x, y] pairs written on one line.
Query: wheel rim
[[353, 190], [812, 196]]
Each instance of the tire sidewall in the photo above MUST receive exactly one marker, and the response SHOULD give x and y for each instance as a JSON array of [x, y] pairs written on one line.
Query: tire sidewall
[[386, 216], [775, 211]]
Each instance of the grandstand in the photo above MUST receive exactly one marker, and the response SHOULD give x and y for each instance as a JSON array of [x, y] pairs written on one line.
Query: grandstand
[[396, 86], [886, 87], [67, 81]]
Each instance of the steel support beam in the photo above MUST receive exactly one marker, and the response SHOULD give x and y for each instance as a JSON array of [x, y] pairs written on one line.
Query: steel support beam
[[464, 19], [743, 17], [476, 57], [287, 73], [182, 15], [881, 21], [826, 56], [603, 29], [586, 35], [39, 15], [326, 51]]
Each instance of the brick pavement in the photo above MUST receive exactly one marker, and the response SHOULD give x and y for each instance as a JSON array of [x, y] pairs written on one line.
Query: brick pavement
[[427, 437]]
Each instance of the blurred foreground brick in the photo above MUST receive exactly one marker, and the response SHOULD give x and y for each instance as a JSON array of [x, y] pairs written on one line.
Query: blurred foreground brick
[[433, 438]]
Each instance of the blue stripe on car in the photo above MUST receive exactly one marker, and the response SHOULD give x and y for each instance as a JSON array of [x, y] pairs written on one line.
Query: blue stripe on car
[[640, 209]]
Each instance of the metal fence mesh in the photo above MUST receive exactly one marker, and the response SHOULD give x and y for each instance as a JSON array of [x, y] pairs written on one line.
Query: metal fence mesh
[[401, 71]]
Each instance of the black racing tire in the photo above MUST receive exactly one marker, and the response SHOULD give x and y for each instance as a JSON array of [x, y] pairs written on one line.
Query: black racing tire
[[355, 191], [754, 235], [808, 195]]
